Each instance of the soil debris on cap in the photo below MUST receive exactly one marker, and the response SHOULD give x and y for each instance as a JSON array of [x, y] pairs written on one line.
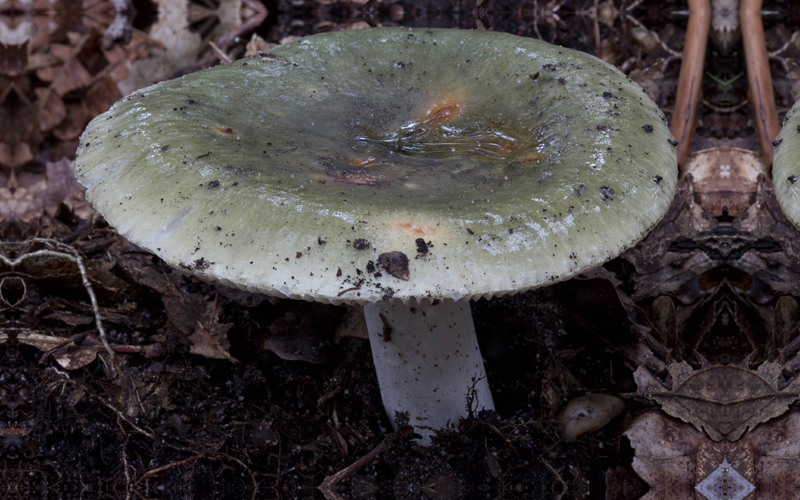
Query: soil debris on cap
[[396, 263]]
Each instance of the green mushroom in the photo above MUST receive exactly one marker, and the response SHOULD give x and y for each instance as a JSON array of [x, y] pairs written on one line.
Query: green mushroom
[[786, 166], [409, 170]]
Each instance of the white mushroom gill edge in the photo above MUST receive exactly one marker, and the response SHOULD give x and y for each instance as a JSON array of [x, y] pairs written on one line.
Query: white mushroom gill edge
[[428, 362]]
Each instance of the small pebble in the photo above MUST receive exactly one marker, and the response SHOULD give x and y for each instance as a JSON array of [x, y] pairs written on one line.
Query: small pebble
[[586, 414]]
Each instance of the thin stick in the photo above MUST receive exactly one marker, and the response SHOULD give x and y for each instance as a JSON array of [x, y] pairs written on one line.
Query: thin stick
[[761, 93], [153, 472], [327, 486], [67, 252], [122, 417], [128, 484], [222, 55], [691, 76], [564, 486]]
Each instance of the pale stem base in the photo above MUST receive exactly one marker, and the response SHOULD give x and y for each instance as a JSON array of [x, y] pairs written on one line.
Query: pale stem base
[[428, 362]]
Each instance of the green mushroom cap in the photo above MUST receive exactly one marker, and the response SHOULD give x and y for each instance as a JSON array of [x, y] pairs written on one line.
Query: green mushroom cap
[[786, 166], [386, 163]]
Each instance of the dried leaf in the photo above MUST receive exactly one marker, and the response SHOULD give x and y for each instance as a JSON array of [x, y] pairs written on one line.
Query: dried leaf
[[776, 446], [15, 155], [209, 337], [60, 184], [665, 455], [725, 179], [51, 109], [724, 400], [72, 75], [211, 341], [673, 457], [353, 324], [622, 483], [70, 318], [67, 354], [302, 333], [22, 196], [141, 393], [72, 126]]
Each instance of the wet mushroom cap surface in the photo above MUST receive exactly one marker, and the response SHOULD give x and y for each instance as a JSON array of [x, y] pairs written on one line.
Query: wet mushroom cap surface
[[485, 163], [786, 166]]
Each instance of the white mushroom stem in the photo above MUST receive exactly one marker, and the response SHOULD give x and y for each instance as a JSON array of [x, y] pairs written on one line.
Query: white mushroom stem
[[428, 362]]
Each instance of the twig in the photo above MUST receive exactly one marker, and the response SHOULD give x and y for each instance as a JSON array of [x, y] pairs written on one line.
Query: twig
[[153, 472], [193, 458], [689, 83], [785, 46], [149, 434], [728, 109], [564, 486], [128, 484], [357, 287], [60, 250], [761, 93], [327, 486], [664, 46], [596, 22], [222, 55]]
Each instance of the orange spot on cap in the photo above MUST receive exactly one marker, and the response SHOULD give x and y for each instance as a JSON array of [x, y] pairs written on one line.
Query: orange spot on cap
[[416, 229], [443, 110]]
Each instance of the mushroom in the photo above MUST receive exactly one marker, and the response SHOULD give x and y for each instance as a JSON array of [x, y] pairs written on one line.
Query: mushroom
[[410, 170], [786, 167]]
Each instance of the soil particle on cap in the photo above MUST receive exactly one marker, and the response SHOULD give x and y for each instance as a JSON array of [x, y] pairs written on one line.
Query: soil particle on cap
[[321, 241], [647, 128], [361, 244], [422, 247], [674, 143], [777, 143], [792, 179], [549, 67], [606, 193], [535, 76], [396, 263], [200, 264], [657, 179], [370, 267]]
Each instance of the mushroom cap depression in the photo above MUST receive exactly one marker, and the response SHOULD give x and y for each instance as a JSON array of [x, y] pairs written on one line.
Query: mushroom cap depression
[[786, 166], [387, 163]]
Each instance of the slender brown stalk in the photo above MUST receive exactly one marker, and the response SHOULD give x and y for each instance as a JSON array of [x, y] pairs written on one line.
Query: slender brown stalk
[[691, 77], [758, 76]]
